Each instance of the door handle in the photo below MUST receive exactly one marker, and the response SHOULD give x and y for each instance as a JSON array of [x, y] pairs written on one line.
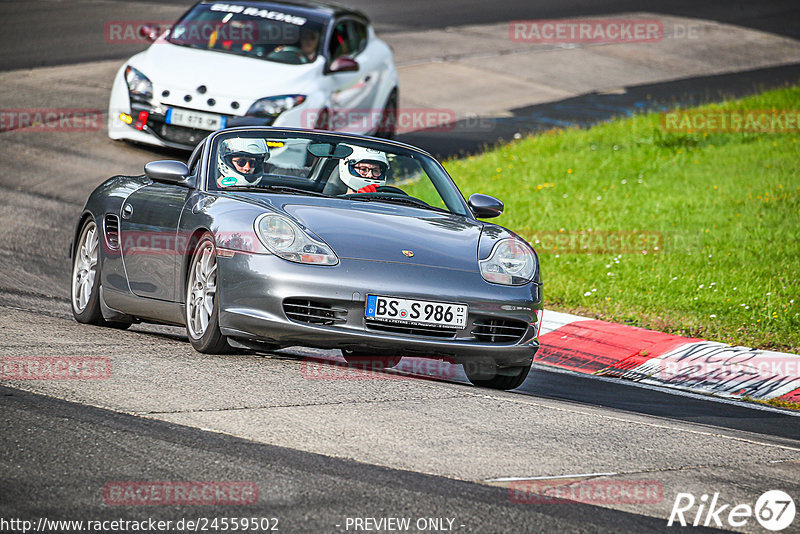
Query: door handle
[[127, 211]]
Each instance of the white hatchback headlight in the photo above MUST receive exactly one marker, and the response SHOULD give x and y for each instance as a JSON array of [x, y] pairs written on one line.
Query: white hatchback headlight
[[511, 263], [272, 106], [286, 239], [139, 85]]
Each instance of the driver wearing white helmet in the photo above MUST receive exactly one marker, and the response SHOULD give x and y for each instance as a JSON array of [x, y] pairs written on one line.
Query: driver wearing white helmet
[[364, 170], [241, 161]]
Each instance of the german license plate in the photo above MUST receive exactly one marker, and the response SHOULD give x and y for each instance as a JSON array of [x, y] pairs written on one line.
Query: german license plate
[[417, 312], [195, 119]]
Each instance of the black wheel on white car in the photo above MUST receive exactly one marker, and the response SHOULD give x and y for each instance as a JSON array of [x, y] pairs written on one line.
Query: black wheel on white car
[[387, 128], [202, 306], [85, 282], [323, 121]]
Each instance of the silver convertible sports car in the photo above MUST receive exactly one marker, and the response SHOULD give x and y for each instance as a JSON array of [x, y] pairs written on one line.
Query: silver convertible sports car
[[274, 237]]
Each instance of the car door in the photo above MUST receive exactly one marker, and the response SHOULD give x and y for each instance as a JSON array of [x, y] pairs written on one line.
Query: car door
[[350, 98], [149, 241]]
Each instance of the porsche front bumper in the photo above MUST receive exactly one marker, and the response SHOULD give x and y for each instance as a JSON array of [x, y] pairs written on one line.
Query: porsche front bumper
[[265, 298]]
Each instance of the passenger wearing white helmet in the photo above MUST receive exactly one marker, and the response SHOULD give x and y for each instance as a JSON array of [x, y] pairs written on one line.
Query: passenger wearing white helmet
[[364, 170], [241, 161]]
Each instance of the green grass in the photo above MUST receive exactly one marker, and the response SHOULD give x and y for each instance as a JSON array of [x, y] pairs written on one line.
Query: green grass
[[723, 208], [777, 403]]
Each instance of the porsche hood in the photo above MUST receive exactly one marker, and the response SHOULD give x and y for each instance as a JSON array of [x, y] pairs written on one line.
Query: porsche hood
[[387, 233]]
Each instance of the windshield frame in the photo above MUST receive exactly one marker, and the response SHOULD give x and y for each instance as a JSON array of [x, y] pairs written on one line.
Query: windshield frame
[[436, 173]]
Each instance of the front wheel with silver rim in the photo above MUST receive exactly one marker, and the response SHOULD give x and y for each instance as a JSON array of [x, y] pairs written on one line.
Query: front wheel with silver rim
[[202, 306], [86, 276]]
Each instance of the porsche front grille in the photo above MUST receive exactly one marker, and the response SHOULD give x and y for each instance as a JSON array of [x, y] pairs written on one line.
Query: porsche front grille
[[499, 330], [111, 231], [309, 311]]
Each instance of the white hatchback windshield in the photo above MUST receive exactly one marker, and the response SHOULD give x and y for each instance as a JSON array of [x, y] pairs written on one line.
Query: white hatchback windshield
[[281, 36]]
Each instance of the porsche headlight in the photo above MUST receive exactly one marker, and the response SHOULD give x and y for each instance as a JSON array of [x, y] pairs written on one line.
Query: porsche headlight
[[273, 106], [511, 263], [139, 86], [286, 239]]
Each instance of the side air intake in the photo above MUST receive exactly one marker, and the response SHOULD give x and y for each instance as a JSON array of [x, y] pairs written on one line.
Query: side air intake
[[111, 231]]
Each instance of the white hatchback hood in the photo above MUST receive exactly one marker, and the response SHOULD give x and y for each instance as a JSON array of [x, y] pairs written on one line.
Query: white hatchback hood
[[227, 77]]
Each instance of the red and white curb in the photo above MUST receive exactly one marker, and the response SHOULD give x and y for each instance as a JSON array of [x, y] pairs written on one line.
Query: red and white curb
[[597, 347]]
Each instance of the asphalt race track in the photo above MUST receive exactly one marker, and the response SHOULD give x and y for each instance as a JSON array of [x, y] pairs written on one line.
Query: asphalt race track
[[306, 492], [37, 37], [324, 451]]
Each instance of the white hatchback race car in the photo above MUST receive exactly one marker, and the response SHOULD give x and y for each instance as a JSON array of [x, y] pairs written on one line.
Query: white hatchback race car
[[298, 64]]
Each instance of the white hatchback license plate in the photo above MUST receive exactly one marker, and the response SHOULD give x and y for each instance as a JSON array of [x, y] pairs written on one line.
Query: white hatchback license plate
[[195, 119], [417, 312]]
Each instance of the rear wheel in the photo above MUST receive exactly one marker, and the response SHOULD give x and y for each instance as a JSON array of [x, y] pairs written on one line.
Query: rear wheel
[[505, 378], [202, 305], [370, 359], [85, 286]]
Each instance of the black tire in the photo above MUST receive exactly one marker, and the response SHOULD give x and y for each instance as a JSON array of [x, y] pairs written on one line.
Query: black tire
[[323, 121], [387, 128], [511, 377], [200, 278], [86, 263], [370, 360]]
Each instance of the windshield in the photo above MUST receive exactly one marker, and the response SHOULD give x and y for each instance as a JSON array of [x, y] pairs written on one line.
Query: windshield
[[281, 36], [330, 166]]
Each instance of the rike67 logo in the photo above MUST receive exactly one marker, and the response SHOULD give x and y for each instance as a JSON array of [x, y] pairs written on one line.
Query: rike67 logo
[[774, 510]]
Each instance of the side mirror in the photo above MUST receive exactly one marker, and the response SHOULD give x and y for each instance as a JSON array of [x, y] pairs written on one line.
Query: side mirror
[[171, 172], [484, 206], [344, 64], [149, 32]]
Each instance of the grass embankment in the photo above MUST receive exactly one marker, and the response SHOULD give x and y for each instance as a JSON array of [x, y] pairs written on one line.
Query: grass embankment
[[723, 210]]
